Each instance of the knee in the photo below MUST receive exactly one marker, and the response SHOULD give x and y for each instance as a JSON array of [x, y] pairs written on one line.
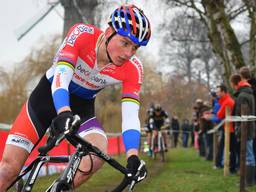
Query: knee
[[9, 168]]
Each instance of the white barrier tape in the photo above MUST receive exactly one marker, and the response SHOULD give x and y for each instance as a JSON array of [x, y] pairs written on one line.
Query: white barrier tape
[[242, 118]]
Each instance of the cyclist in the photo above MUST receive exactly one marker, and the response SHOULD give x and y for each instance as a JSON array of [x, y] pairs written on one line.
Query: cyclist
[[161, 122], [149, 125], [87, 61]]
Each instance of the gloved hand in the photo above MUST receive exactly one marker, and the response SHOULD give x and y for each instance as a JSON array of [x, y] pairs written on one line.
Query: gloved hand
[[136, 168], [63, 122]]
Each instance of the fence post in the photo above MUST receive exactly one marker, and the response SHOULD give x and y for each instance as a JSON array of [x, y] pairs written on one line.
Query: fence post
[[244, 111], [215, 146], [227, 143]]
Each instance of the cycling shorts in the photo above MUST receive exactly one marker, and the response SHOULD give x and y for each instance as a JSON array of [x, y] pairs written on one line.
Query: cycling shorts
[[37, 113]]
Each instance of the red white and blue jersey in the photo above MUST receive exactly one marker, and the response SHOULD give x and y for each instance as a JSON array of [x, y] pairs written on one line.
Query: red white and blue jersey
[[75, 71]]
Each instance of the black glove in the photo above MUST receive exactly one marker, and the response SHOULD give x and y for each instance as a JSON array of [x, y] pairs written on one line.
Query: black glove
[[136, 169], [62, 122]]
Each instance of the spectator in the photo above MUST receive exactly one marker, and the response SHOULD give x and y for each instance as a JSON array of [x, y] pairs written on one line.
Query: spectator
[[185, 127], [225, 101], [244, 95], [215, 120], [201, 108], [252, 82], [206, 125], [175, 129], [192, 129]]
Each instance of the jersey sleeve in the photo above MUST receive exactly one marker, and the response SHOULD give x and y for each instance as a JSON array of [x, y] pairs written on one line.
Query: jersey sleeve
[[130, 105], [133, 80], [79, 36]]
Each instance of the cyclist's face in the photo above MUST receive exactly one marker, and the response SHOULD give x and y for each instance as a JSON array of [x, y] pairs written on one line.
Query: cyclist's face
[[219, 92], [158, 113], [121, 49]]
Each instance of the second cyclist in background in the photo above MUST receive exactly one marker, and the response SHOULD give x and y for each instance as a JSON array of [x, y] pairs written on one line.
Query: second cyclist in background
[[161, 123], [149, 125]]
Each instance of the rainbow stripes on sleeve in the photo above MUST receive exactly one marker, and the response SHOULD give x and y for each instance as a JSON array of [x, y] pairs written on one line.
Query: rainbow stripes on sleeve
[[130, 123], [61, 80]]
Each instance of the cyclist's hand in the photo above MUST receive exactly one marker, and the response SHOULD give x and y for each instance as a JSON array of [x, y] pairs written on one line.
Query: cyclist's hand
[[63, 122], [136, 169]]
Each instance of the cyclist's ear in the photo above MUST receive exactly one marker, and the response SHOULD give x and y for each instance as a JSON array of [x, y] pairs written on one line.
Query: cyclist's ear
[[108, 32]]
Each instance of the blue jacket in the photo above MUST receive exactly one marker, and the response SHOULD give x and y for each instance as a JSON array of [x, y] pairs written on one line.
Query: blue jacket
[[215, 109]]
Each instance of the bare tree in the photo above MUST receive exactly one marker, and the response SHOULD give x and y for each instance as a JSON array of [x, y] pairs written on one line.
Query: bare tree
[[217, 16], [185, 41]]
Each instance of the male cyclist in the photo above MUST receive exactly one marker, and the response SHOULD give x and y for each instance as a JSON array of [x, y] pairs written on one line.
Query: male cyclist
[[161, 122], [87, 61]]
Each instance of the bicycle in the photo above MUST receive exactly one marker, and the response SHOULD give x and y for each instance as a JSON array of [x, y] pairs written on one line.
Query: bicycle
[[160, 147], [65, 180]]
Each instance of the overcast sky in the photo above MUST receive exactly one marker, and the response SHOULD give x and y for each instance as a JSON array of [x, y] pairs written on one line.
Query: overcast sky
[[14, 14]]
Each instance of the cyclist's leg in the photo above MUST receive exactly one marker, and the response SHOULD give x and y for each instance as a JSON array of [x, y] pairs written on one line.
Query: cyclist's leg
[[155, 139], [92, 132], [164, 134], [11, 165], [164, 137], [150, 142], [20, 142]]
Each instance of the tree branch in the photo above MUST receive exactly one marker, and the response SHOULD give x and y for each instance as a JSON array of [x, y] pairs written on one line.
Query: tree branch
[[190, 40]]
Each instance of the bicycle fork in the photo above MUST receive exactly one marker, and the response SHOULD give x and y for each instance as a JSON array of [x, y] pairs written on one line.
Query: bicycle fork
[[66, 180], [34, 172]]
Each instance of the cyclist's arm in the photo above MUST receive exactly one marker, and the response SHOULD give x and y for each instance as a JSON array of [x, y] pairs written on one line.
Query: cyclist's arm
[[130, 125], [65, 59], [130, 108], [62, 77]]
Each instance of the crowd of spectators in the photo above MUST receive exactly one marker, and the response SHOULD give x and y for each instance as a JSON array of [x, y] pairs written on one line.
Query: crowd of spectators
[[206, 116]]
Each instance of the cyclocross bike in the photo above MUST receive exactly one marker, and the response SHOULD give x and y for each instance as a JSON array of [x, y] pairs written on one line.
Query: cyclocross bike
[[65, 180], [160, 148]]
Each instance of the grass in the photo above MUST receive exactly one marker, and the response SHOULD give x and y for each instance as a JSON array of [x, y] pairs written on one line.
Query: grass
[[184, 171]]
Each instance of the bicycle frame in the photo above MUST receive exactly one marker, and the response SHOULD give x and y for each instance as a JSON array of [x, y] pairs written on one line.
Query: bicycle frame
[[35, 167], [65, 181], [160, 145]]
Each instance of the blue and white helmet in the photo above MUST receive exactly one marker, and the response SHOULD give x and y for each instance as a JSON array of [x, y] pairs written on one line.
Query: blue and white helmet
[[131, 22]]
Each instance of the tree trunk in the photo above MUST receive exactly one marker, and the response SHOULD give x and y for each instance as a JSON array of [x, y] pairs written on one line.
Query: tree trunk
[[77, 11], [251, 7], [224, 40]]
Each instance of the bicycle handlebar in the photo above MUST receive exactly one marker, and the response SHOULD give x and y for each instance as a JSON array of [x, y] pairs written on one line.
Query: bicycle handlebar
[[51, 143], [76, 140]]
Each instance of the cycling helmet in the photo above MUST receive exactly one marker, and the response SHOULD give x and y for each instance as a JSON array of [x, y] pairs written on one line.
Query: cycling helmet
[[131, 22], [158, 107]]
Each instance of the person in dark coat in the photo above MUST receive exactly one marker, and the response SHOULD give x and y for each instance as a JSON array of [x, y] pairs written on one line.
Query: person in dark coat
[[175, 129], [185, 127], [244, 95]]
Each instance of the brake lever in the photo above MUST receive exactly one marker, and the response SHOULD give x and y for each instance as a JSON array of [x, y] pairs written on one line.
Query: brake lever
[[59, 139]]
